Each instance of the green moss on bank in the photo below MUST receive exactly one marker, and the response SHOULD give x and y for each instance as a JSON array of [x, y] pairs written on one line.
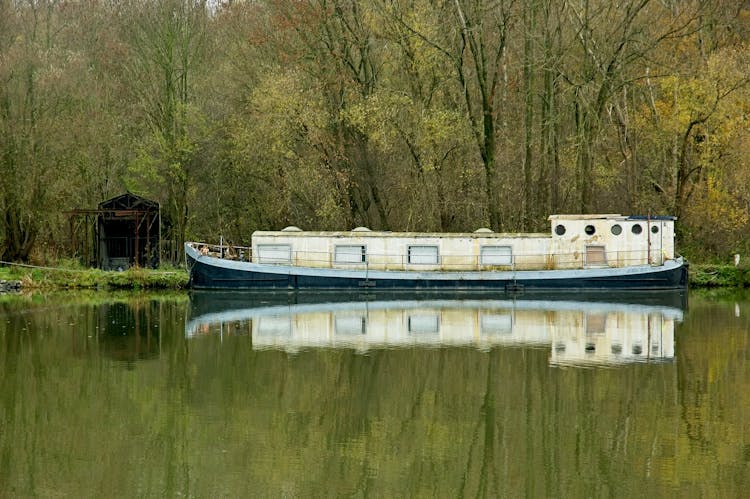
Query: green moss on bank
[[80, 278], [719, 276]]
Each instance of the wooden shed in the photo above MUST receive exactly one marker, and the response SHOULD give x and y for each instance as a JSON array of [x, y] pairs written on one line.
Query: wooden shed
[[124, 231]]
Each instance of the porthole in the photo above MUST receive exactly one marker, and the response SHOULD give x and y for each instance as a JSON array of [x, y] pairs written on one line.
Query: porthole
[[637, 229], [560, 230], [654, 229], [616, 229], [590, 230]]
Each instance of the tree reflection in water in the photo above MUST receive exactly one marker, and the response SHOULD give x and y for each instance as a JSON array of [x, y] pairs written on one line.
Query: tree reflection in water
[[221, 414]]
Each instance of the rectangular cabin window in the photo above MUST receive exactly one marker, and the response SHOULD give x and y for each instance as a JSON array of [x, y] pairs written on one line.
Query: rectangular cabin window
[[274, 253], [426, 255], [496, 255], [596, 256], [350, 254]]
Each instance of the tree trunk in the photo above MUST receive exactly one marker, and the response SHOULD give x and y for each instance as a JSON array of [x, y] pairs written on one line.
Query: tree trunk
[[529, 20], [20, 234]]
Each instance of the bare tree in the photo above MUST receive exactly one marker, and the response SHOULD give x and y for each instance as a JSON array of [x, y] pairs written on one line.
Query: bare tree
[[31, 115], [476, 53], [167, 42]]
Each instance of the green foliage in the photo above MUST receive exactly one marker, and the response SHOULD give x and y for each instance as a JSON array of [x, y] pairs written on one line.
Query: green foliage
[[691, 133], [719, 276], [415, 116], [75, 277]]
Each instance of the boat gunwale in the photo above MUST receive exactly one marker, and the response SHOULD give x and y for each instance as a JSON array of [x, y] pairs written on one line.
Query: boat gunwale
[[468, 275]]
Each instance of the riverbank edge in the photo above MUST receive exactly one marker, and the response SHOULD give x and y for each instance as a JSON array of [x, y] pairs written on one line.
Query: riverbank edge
[[708, 276], [13, 279], [53, 279]]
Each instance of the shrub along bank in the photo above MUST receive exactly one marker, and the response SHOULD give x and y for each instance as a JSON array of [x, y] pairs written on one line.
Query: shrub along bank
[[42, 278], [719, 276]]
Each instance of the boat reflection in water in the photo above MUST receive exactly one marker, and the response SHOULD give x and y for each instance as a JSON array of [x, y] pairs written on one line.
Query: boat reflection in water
[[577, 332]]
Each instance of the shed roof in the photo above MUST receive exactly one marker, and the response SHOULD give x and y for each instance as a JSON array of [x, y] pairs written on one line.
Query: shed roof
[[129, 201]]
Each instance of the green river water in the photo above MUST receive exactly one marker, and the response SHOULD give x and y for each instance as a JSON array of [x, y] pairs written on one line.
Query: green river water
[[232, 395]]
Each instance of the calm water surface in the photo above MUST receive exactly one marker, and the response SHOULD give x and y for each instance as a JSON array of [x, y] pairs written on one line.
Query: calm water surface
[[216, 395]]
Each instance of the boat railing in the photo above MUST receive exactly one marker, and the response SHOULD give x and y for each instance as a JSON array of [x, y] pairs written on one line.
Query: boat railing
[[571, 260], [375, 261], [225, 251]]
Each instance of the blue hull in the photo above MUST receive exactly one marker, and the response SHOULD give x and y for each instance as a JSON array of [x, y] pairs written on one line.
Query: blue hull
[[214, 273]]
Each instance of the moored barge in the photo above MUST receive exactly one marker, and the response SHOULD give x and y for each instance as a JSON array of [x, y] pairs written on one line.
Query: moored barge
[[580, 253]]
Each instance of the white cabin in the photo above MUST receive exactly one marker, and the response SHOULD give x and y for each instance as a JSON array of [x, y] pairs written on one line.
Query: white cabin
[[574, 241]]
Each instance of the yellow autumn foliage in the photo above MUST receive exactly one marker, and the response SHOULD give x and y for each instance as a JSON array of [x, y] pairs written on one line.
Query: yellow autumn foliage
[[717, 217]]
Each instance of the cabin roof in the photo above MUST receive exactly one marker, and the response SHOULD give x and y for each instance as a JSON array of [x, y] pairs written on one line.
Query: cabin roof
[[611, 216], [652, 217], [389, 234], [615, 216]]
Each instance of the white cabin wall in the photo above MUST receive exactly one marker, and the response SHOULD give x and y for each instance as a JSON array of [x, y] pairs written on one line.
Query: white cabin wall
[[624, 249], [569, 248], [529, 252], [389, 250], [661, 243]]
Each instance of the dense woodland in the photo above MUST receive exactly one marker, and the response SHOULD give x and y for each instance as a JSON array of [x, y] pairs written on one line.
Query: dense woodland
[[443, 115]]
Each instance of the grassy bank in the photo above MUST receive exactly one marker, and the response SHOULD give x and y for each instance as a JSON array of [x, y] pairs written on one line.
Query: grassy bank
[[719, 276], [73, 277]]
